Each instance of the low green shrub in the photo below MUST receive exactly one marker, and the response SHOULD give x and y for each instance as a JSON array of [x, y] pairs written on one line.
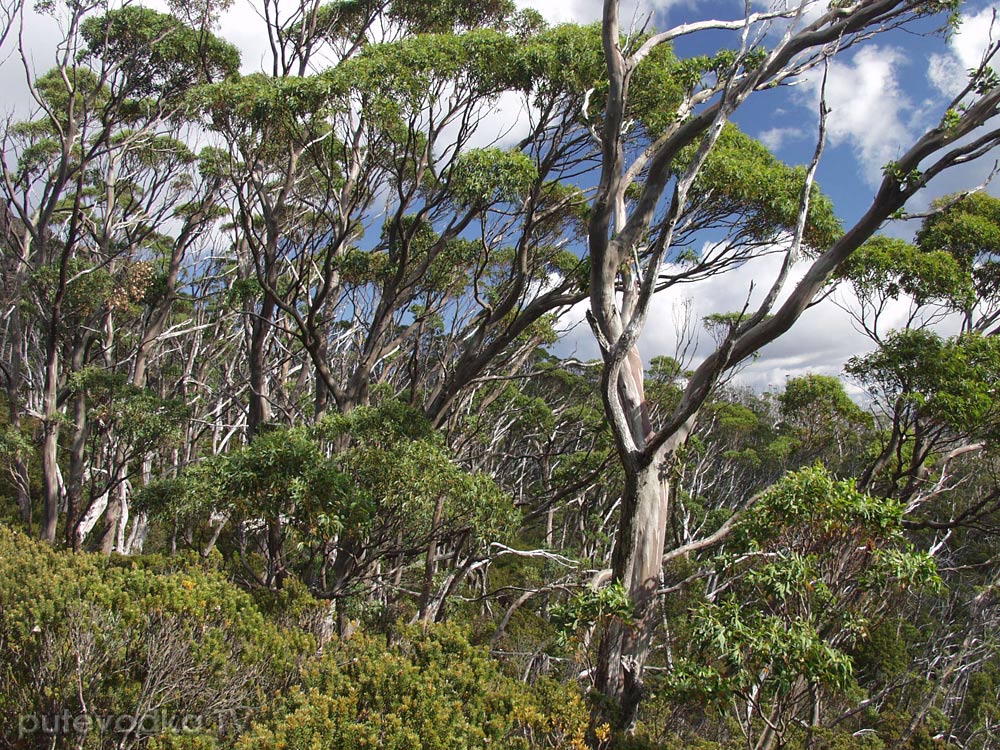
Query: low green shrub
[[429, 690], [100, 652]]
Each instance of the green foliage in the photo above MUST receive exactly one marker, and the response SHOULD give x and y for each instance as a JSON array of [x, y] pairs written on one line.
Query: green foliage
[[905, 180], [949, 381], [809, 570], [588, 608], [746, 645], [373, 478], [158, 55], [567, 61], [984, 79], [808, 504], [88, 290], [283, 471], [430, 690], [13, 443], [884, 267], [39, 146], [812, 392], [969, 230], [258, 103], [439, 16], [396, 78], [137, 415], [384, 425], [821, 422], [400, 469], [657, 90], [362, 267], [483, 176], [58, 87], [85, 634], [374, 506], [734, 418], [742, 178], [570, 211], [723, 324], [91, 290], [823, 738], [664, 369], [412, 251], [403, 486], [334, 21], [884, 654]]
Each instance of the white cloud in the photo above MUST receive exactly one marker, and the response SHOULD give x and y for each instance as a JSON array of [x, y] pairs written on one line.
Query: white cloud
[[38, 37], [507, 121], [588, 11], [775, 138], [946, 74], [822, 341], [867, 107], [949, 72], [242, 25]]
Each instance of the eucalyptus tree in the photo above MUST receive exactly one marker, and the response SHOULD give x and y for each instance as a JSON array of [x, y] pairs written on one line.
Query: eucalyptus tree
[[822, 423], [933, 398], [322, 160], [382, 244], [90, 181], [395, 250], [651, 177], [932, 394], [543, 436], [816, 566]]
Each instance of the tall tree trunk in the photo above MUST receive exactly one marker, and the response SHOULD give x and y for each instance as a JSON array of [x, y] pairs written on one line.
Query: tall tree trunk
[[51, 482], [425, 613], [89, 518], [77, 464], [258, 414], [321, 397], [637, 558], [22, 486], [258, 411], [15, 378], [140, 526], [636, 564], [117, 517]]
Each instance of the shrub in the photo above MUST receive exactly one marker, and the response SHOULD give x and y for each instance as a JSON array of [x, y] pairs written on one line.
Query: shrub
[[431, 690], [125, 649]]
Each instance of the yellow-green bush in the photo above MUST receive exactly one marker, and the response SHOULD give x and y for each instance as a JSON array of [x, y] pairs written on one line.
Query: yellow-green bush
[[430, 690], [149, 646]]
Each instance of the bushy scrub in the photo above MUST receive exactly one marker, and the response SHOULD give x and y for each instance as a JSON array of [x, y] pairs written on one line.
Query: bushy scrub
[[100, 652], [429, 690]]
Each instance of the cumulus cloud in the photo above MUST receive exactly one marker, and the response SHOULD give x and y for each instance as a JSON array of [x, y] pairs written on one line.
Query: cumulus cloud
[[824, 338], [868, 107], [775, 138], [589, 11], [949, 72]]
